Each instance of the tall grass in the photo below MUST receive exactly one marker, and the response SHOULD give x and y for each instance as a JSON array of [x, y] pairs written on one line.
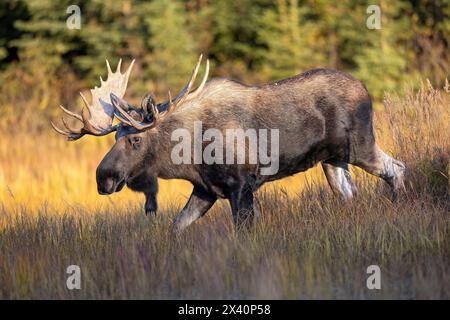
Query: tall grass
[[308, 243]]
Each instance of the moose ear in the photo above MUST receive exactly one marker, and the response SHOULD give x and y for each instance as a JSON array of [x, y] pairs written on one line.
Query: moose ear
[[135, 142]]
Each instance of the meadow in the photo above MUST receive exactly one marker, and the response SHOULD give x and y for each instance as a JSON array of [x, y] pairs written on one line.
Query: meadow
[[308, 243]]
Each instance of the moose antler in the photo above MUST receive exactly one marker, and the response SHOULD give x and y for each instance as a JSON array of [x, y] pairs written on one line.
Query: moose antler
[[171, 105], [197, 91], [101, 111]]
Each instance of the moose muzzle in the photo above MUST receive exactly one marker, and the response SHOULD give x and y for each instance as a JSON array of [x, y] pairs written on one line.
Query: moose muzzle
[[110, 175]]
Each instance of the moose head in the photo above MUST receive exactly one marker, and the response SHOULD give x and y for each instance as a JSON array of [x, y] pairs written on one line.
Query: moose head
[[129, 155]]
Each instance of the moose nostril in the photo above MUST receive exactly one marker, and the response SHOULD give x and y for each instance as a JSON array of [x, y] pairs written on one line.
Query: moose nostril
[[106, 186]]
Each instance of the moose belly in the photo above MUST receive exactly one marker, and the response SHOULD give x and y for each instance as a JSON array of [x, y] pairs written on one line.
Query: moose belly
[[290, 165]]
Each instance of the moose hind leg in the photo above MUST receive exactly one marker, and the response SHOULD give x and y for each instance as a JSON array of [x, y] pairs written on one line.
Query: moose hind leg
[[199, 202], [381, 165], [339, 179]]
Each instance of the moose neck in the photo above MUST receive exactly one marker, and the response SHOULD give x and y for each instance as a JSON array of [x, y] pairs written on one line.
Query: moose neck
[[159, 159], [160, 143]]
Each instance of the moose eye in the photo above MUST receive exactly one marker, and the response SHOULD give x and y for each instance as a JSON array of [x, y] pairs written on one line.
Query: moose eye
[[135, 142]]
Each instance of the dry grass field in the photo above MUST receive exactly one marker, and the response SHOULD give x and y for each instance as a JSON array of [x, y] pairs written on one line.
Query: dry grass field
[[307, 245]]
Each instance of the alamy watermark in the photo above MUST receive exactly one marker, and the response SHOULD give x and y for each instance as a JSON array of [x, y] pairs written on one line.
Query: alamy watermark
[[374, 19], [74, 279], [374, 280], [74, 20], [238, 146]]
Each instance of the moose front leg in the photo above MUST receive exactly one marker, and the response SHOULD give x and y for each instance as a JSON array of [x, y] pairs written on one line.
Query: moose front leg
[[151, 205], [151, 190], [147, 184], [242, 207], [197, 205]]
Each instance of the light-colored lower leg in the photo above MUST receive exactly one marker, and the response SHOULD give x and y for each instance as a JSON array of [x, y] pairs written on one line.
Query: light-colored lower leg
[[393, 171], [389, 169], [196, 207], [339, 179]]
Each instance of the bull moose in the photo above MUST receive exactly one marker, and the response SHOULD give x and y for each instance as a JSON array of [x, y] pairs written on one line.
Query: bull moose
[[322, 116]]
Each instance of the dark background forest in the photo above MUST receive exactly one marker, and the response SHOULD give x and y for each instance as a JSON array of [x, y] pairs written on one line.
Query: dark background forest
[[253, 41]]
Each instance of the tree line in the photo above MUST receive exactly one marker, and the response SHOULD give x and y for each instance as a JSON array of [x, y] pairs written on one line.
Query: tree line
[[253, 41]]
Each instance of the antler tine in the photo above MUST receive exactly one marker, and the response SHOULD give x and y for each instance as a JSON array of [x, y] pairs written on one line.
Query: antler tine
[[156, 116], [127, 73], [185, 92], [187, 88], [70, 113], [170, 108], [109, 67], [202, 84], [122, 119], [71, 136], [68, 127], [205, 78], [58, 129], [88, 106]]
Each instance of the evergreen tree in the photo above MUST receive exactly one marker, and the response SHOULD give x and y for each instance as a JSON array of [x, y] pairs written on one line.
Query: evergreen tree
[[251, 40], [383, 62], [10, 12], [289, 39], [235, 45], [172, 50]]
